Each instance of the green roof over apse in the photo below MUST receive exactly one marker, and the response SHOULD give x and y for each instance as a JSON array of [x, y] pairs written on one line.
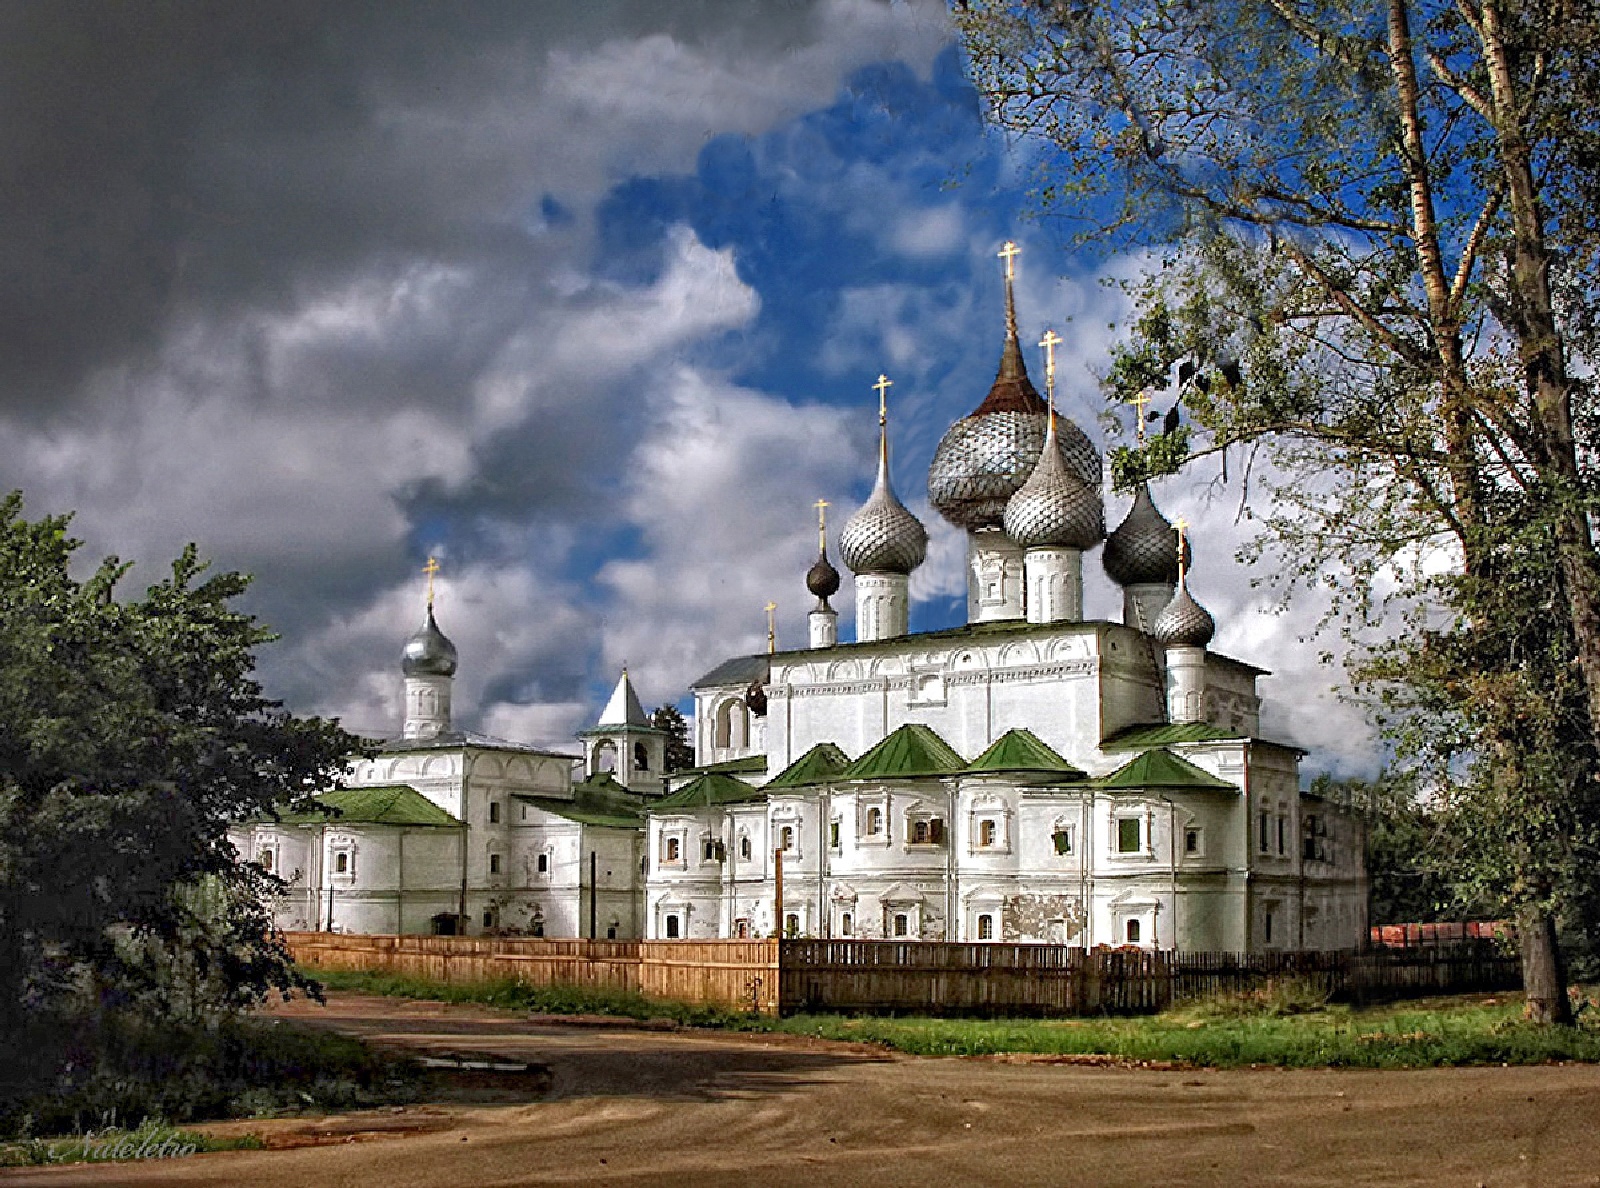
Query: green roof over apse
[[1160, 768], [391, 804], [1164, 734], [1021, 750], [707, 790], [819, 765], [748, 765], [912, 750]]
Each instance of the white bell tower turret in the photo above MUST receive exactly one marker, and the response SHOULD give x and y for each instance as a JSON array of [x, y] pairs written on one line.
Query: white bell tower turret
[[624, 745], [1185, 627]]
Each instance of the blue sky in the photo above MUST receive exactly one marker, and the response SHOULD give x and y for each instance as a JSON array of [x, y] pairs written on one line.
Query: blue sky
[[587, 301]]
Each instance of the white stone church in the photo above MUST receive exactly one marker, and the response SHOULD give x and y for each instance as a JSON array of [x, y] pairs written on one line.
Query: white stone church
[[1029, 776]]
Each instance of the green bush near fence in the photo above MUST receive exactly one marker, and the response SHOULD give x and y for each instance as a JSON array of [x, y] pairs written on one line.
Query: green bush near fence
[[1287, 1024]]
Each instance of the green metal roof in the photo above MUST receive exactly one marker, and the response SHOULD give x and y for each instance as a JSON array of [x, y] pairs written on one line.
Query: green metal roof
[[1164, 734], [820, 764], [1021, 750], [711, 788], [390, 804], [747, 765], [1160, 768], [912, 750], [597, 800]]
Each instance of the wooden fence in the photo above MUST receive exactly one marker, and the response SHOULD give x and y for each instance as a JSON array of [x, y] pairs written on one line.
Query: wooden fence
[[908, 977]]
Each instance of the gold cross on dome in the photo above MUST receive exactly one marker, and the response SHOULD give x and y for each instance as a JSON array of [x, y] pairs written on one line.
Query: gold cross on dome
[[1050, 342], [1009, 254], [772, 627], [431, 568], [1138, 402], [822, 506], [882, 388]]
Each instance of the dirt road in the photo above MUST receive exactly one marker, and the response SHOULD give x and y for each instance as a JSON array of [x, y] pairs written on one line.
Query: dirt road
[[639, 1107]]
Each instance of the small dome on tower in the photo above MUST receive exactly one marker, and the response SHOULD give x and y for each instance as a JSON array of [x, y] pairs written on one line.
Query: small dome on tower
[[1143, 549], [1184, 623], [1055, 507], [883, 537], [429, 652], [822, 579]]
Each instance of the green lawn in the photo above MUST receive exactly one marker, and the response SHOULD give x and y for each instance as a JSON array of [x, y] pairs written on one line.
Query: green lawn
[[1282, 1028]]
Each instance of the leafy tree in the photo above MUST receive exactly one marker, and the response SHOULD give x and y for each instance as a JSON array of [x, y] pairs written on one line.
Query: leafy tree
[[1379, 217], [133, 733], [680, 754]]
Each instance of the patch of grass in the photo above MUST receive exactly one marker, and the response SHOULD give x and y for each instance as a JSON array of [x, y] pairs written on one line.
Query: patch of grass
[[151, 1140], [544, 1000], [122, 1071], [1288, 1024], [1448, 1032]]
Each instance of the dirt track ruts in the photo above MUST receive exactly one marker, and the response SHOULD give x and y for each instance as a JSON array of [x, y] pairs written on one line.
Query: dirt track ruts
[[692, 1108]]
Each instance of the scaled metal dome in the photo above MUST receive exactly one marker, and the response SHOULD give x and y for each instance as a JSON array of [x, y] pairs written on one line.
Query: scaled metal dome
[[1184, 622], [429, 652], [984, 458], [1055, 507], [1143, 550], [883, 537]]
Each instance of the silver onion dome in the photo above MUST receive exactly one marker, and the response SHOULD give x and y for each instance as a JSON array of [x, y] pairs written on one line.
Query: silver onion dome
[[984, 458], [1055, 507], [429, 652], [1143, 550], [883, 537], [1184, 622]]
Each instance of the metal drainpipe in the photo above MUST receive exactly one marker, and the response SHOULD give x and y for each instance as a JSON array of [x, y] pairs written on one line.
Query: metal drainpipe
[[1086, 805], [824, 824]]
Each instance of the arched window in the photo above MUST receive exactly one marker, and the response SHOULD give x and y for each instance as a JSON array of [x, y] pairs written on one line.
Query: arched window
[[604, 757], [986, 927], [874, 820], [744, 848], [847, 924], [902, 924], [641, 757], [732, 724], [672, 927], [986, 833], [1132, 932]]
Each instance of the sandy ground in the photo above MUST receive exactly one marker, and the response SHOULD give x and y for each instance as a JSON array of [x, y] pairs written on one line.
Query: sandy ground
[[609, 1105]]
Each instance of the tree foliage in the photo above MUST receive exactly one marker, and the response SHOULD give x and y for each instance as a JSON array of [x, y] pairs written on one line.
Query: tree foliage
[[134, 733], [1383, 216], [680, 754]]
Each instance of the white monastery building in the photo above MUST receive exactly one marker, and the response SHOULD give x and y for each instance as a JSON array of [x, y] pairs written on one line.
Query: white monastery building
[[1028, 776]]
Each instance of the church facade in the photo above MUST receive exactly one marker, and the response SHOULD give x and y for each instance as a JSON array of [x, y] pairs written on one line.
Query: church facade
[[1027, 776]]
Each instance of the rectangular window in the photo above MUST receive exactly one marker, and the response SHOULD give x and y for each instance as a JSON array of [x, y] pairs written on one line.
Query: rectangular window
[[494, 812], [266, 861], [1063, 840], [902, 924], [833, 834], [672, 927], [1283, 831], [544, 863], [341, 863], [791, 924], [986, 927], [1128, 840], [847, 924], [708, 850], [494, 863], [524, 812], [1265, 825], [1191, 840], [1267, 924]]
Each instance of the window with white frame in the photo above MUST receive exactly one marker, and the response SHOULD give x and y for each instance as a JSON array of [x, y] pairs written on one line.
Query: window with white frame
[[671, 849], [985, 926], [744, 847], [988, 832], [874, 822], [1130, 833], [786, 838], [833, 834], [266, 859], [673, 928], [1193, 841], [344, 862], [902, 924], [847, 923], [1061, 838]]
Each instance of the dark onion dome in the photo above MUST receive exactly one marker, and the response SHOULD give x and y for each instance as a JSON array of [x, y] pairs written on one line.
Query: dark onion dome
[[883, 537], [984, 458], [1143, 550], [1184, 623], [429, 652], [1055, 507], [822, 579]]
